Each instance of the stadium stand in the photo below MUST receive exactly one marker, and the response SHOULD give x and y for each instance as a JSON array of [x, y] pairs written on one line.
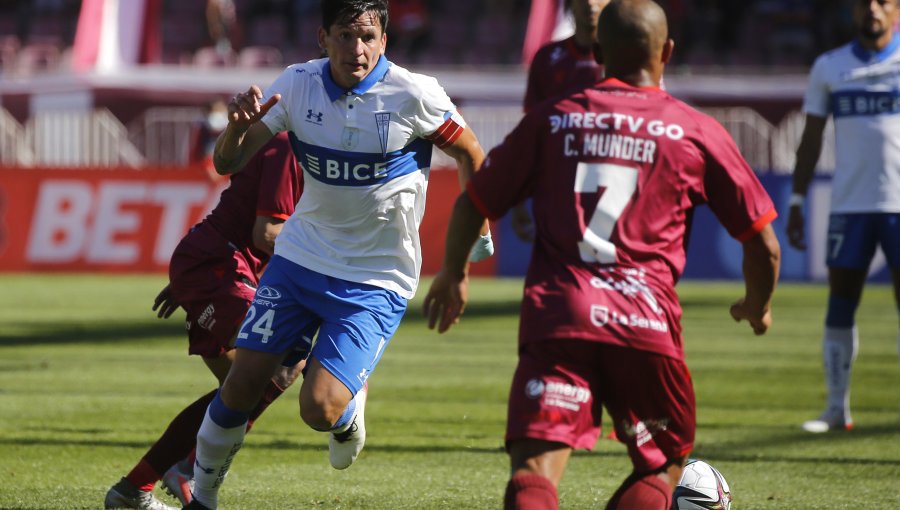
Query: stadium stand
[[720, 40]]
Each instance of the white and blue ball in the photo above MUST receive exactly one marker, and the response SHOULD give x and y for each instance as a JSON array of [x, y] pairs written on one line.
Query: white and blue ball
[[701, 487]]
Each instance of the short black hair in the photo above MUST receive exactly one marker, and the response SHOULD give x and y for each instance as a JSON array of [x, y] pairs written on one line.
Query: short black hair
[[345, 11]]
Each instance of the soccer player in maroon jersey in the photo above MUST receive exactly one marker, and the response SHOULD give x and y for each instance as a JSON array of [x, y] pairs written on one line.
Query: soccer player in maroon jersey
[[213, 275], [557, 68], [615, 172]]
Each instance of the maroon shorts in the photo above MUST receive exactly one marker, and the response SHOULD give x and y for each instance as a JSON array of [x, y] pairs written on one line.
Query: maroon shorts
[[214, 284], [561, 386]]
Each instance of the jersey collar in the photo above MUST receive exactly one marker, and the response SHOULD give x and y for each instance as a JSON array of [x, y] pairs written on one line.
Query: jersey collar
[[615, 82], [335, 91], [873, 57]]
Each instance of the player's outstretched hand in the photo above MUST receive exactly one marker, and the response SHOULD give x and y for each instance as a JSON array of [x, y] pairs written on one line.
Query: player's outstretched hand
[[165, 304], [795, 228], [245, 109], [759, 319], [446, 300]]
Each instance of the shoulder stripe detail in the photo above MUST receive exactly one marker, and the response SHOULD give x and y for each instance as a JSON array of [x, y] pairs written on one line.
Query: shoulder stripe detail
[[446, 134], [758, 225]]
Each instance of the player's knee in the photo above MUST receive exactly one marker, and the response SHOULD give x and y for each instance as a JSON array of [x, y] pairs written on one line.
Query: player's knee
[[841, 312]]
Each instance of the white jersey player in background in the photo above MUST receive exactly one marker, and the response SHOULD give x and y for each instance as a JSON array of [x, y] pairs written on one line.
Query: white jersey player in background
[[859, 86], [348, 259]]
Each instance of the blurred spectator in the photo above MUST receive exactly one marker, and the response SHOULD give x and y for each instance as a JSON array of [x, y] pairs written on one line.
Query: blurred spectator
[[29, 12], [832, 24], [730, 18], [221, 21], [408, 28], [205, 136], [291, 12]]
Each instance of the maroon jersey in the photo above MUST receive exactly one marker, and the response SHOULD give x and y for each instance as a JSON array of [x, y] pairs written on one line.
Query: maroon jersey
[[558, 68], [614, 173], [269, 185]]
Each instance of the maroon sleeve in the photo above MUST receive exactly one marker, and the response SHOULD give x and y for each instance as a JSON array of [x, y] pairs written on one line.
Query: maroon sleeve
[[507, 174], [533, 93], [732, 190], [278, 180]]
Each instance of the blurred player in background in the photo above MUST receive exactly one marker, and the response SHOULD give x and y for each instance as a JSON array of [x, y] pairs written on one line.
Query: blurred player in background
[[213, 275], [615, 172], [558, 68], [857, 85], [349, 258]]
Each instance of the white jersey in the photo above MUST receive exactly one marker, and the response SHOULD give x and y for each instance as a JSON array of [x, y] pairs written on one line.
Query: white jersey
[[366, 154], [861, 90]]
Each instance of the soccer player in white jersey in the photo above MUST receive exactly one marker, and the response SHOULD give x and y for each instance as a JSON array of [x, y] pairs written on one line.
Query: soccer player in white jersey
[[348, 259], [859, 86]]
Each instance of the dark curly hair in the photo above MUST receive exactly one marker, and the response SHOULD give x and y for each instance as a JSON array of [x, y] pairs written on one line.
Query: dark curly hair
[[345, 11]]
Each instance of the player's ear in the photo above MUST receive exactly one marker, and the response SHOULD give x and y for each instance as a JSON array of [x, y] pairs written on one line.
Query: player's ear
[[383, 42], [667, 50], [322, 36]]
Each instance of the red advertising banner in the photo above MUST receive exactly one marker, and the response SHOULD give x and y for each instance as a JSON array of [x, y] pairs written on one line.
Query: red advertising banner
[[127, 220], [98, 219]]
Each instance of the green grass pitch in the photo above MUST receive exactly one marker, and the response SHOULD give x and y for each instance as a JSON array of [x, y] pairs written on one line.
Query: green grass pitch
[[89, 378]]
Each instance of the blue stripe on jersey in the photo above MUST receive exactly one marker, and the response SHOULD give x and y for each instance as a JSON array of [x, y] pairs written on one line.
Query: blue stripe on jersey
[[342, 168], [850, 103]]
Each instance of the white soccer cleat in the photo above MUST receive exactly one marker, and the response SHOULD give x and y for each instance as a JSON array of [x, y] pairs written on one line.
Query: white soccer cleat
[[831, 419], [344, 447], [126, 495], [178, 481]]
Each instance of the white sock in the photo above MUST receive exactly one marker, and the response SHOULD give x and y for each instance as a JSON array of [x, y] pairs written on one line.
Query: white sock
[[839, 348], [216, 447]]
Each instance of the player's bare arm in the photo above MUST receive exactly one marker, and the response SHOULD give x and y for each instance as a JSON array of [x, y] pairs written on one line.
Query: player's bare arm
[[468, 154], [244, 134], [448, 294], [165, 304], [265, 230], [807, 157], [762, 260]]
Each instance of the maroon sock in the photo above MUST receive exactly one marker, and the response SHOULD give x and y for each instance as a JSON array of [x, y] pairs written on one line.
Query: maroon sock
[[178, 440], [273, 391], [649, 492], [530, 492], [143, 476]]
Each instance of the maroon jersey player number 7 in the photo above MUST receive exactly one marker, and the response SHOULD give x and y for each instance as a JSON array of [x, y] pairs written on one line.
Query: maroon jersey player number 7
[[633, 162]]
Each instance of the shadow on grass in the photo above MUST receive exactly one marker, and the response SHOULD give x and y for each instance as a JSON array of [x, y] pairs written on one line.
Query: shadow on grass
[[58, 333], [74, 332], [508, 308], [756, 449]]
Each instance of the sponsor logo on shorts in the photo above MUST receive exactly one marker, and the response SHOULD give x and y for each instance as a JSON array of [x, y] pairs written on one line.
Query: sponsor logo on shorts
[[558, 394], [534, 388], [207, 319], [644, 430], [268, 292]]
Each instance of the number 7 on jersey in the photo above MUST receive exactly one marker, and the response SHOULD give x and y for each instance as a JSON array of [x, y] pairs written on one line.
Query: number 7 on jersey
[[620, 183]]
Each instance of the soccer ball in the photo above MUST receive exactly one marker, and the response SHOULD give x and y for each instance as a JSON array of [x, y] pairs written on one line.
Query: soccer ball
[[701, 487]]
